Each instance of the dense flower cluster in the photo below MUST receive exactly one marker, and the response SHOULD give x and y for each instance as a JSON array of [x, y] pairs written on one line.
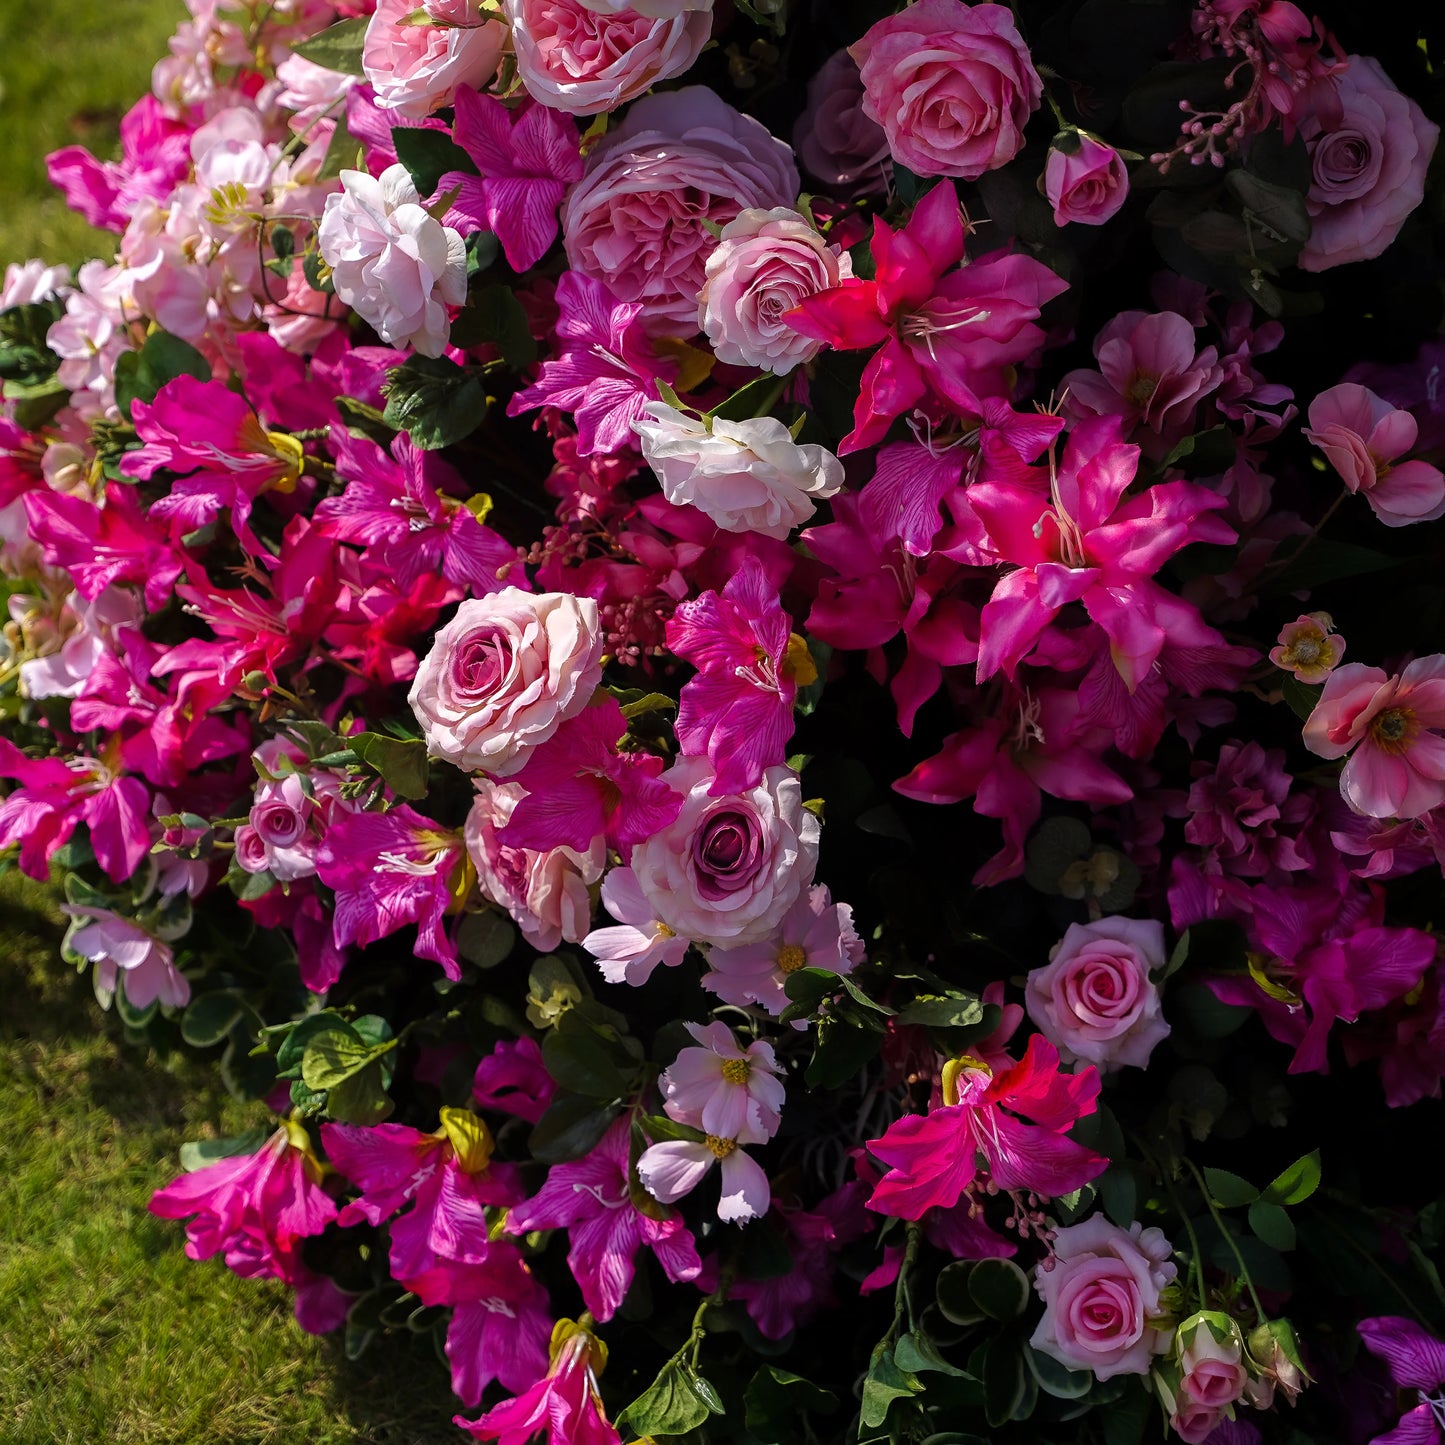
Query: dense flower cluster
[[772, 723]]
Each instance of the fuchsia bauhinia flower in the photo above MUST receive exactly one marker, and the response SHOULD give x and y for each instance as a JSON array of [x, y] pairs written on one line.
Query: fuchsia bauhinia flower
[[1416, 1361]]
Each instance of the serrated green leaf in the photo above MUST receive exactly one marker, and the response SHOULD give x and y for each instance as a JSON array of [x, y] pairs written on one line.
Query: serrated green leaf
[[494, 316], [434, 400], [402, 765], [1295, 1184], [1228, 1190], [1271, 1224], [1301, 697]]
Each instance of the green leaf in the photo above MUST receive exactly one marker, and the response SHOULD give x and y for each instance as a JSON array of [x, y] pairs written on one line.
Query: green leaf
[[401, 764], [884, 1384], [1055, 1379], [756, 398], [1271, 1224], [659, 1127], [572, 1126], [25, 356], [338, 47], [774, 1400], [955, 1302], [344, 152], [1295, 1184], [1322, 560], [210, 1017], [139, 375], [360, 1098], [643, 703], [337, 1054], [1228, 1190], [434, 400], [1119, 1194], [1007, 1386], [486, 939], [1280, 210], [999, 1288], [494, 315], [583, 1060], [428, 155], [956, 1011], [197, 1153], [1300, 696], [671, 1405], [292, 1048], [842, 1051], [915, 1352], [1126, 1420], [31, 407]]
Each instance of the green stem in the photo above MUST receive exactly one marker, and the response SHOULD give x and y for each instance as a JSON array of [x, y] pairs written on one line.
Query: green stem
[[1196, 1261], [902, 1303], [1228, 1239]]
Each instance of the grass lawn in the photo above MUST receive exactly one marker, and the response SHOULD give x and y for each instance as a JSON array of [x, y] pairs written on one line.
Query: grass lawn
[[107, 1331]]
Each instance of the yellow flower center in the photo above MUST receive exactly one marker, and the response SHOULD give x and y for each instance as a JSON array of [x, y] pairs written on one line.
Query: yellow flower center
[[1394, 730], [662, 930], [952, 1069], [791, 958], [469, 1137], [736, 1071], [721, 1148]]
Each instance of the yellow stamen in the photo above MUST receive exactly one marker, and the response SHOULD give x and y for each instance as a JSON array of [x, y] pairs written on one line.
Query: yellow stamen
[[791, 958], [721, 1148], [952, 1069], [736, 1071], [469, 1137], [1395, 730]]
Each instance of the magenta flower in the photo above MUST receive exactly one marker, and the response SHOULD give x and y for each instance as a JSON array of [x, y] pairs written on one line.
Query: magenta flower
[[1363, 437], [448, 1177], [55, 795], [1006, 763], [1416, 1362], [564, 1407], [951, 334], [500, 1320], [606, 371], [579, 786], [255, 1209], [513, 1080], [934, 1158], [528, 157], [99, 545], [407, 515], [388, 870], [738, 710], [592, 1200], [221, 455], [1391, 728], [1085, 542], [815, 933]]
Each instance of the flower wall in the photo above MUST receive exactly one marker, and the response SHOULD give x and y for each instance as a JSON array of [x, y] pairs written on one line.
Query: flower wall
[[772, 674]]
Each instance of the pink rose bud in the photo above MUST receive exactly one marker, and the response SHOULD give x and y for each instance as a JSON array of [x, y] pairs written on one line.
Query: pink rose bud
[[504, 674], [1363, 438], [415, 67], [951, 84], [766, 264], [1309, 647], [1211, 1361], [1085, 180]]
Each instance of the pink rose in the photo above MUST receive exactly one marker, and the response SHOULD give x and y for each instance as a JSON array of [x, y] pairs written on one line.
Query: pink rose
[[504, 674], [391, 262], [545, 892], [1369, 150], [1100, 1295], [1192, 1422], [728, 869], [1086, 184], [1364, 437], [766, 263], [637, 221], [952, 86], [837, 143], [584, 59], [1212, 1369], [1094, 1001], [415, 68], [747, 476]]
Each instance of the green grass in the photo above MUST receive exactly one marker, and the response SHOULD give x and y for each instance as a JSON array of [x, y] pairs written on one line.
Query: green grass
[[107, 1331], [68, 72]]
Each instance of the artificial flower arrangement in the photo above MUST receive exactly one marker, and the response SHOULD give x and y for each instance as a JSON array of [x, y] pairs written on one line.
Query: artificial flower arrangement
[[704, 641]]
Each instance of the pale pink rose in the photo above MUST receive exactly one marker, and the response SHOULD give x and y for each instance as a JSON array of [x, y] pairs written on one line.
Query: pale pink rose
[[414, 67], [1369, 150], [1192, 1422], [1363, 437], [728, 869], [657, 9], [1392, 724], [504, 674], [951, 84], [392, 263], [637, 222], [1086, 185], [766, 263], [1094, 1000], [1212, 1371], [836, 142], [582, 59], [748, 476], [545, 892], [1100, 1295]]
